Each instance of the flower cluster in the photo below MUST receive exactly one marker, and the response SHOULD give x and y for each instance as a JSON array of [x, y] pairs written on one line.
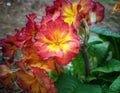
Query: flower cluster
[[46, 44]]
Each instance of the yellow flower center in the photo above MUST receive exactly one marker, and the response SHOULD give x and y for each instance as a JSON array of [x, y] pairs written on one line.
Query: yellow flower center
[[58, 41]]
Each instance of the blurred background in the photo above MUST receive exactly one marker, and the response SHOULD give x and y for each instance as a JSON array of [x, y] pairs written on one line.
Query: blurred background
[[13, 12]]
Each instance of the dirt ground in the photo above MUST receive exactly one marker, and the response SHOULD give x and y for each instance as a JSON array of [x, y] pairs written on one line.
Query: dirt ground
[[13, 12], [12, 15]]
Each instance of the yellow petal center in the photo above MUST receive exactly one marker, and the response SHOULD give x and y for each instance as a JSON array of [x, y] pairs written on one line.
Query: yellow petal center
[[58, 41]]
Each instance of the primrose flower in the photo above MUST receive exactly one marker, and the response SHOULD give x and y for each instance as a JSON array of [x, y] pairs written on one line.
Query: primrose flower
[[28, 32], [9, 47], [92, 11], [46, 19], [31, 59], [98, 10], [6, 76], [70, 13], [85, 6], [58, 41], [58, 4], [35, 81]]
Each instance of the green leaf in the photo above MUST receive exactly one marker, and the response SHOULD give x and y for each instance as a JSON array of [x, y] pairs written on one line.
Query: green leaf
[[110, 36], [79, 65], [66, 84], [111, 66], [94, 40], [115, 86], [114, 46], [97, 53], [105, 88], [105, 32], [54, 75], [87, 88], [69, 84], [1, 86], [109, 77]]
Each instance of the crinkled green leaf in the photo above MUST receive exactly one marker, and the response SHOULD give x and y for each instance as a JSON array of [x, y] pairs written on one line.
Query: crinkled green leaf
[[111, 66], [105, 32], [114, 46], [108, 77], [97, 53], [94, 40], [105, 88], [87, 88], [79, 65], [115, 86], [69, 84], [66, 84]]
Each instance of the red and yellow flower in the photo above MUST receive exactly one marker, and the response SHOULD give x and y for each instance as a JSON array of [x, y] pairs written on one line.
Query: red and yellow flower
[[92, 11], [46, 45], [28, 32], [58, 41], [73, 12], [31, 59], [35, 81], [70, 13], [98, 11], [9, 47], [6, 76]]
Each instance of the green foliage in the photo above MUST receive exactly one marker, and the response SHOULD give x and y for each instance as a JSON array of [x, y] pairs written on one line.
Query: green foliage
[[114, 47], [105, 32], [105, 89], [111, 37], [69, 84], [111, 66], [85, 88], [93, 39], [115, 86], [78, 65], [97, 53]]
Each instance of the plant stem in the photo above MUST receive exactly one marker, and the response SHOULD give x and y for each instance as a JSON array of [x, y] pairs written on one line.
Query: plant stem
[[84, 49], [86, 60]]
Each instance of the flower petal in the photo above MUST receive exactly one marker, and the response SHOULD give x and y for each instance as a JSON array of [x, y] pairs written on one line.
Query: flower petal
[[6, 76], [36, 81]]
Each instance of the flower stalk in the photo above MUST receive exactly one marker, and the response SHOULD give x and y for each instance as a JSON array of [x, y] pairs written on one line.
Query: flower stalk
[[85, 30]]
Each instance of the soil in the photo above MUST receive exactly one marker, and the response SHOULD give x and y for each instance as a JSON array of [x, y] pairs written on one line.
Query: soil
[[13, 12]]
